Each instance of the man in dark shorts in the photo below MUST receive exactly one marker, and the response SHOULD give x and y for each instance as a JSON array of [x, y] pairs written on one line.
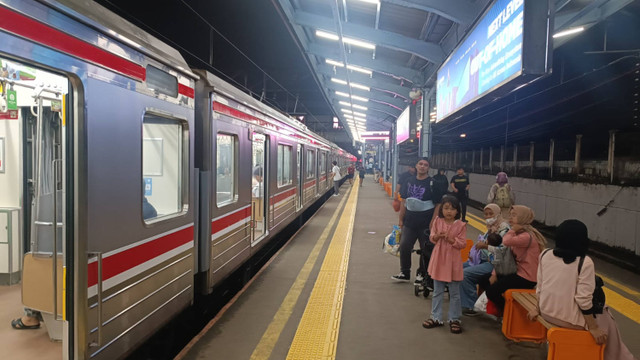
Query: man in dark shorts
[[361, 172], [416, 212]]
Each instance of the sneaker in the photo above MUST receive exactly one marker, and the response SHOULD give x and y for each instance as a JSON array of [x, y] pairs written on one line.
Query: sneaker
[[470, 312], [336, 194], [419, 279], [401, 277]]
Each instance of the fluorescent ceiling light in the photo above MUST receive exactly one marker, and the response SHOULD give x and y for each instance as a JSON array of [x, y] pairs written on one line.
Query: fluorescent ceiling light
[[359, 69], [340, 93], [334, 63], [345, 103], [346, 111], [568, 32], [375, 2], [339, 81], [361, 87], [359, 114], [359, 98], [360, 43], [327, 35], [359, 107], [348, 116]]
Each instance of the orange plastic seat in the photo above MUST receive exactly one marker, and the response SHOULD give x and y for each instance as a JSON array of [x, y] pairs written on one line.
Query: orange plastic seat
[[563, 343], [464, 253]]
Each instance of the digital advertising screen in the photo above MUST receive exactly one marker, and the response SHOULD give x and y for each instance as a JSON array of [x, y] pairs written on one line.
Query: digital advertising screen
[[490, 56], [402, 126]]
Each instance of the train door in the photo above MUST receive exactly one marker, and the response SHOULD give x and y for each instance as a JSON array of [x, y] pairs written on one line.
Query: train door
[[259, 203], [34, 131], [300, 173], [318, 171]]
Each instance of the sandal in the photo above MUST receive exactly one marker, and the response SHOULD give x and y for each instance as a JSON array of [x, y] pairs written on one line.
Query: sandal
[[431, 323], [455, 327], [19, 325]]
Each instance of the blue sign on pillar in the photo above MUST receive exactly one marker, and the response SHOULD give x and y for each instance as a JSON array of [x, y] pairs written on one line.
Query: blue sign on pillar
[[147, 186]]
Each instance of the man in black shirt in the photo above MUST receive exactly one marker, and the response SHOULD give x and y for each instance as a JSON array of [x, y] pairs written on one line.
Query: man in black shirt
[[460, 187], [416, 212], [402, 179]]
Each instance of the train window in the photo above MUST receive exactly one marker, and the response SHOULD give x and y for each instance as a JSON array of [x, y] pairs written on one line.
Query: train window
[[161, 81], [311, 164], [164, 166], [284, 165], [226, 151], [323, 163]]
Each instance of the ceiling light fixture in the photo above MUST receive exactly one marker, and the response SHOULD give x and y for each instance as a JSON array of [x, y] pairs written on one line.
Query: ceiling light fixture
[[346, 40], [568, 32], [339, 81], [340, 93], [359, 98], [361, 87], [350, 67], [327, 35], [359, 114], [359, 107], [346, 111], [374, 2], [334, 63]]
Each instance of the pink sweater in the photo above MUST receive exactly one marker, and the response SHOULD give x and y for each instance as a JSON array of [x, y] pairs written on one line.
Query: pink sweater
[[446, 262], [561, 291], [525, 251]]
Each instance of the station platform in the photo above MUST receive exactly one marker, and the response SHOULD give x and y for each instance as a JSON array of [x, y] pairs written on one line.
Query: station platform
[[328, 294]]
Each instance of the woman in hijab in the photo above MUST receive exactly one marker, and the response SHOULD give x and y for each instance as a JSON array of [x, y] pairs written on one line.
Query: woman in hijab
[[501, 194], [526, 243], [477, 269], [565, 291]]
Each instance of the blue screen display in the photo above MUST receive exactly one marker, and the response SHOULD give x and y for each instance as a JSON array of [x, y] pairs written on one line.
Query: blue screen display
[[488, 57]]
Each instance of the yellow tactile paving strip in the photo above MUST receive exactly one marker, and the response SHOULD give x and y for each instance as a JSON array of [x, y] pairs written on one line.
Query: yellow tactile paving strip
[[317, 334]]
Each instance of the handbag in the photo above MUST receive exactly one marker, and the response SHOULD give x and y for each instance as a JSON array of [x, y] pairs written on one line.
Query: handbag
[[504, 262]]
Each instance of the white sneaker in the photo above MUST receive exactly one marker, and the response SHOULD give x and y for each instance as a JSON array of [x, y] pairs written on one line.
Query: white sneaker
[[336, 194]]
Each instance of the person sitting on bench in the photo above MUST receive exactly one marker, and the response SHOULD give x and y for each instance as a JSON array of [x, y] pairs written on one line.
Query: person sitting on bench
[[565, 291]]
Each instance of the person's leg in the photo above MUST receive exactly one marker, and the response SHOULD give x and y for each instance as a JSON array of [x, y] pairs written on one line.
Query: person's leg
[[408, 239], [472, 277], [463, 206], [495, 291], [426, 247], [455, 309], [336, 187], [436, 302]]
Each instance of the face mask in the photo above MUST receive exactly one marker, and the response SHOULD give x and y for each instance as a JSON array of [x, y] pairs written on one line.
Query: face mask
[[490, 221]]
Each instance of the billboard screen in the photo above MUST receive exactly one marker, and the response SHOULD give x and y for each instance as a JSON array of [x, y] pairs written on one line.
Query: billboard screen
[[402, 126], [490, 56]]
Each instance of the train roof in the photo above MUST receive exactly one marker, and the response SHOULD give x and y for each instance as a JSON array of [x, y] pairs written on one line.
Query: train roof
[[246, 99], [105, 21]]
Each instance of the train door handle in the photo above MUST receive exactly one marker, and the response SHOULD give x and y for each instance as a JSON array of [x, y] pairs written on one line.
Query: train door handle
[[98, 343]]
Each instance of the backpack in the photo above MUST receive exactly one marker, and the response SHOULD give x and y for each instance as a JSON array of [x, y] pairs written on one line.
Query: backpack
[[598, 298], [504, 262], [503, 198]]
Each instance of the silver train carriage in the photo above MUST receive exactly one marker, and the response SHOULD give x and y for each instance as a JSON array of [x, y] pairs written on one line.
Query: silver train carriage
[[136, 172]]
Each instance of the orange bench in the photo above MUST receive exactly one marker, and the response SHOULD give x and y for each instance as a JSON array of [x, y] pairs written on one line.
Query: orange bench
[[563, 343], [464, 253]]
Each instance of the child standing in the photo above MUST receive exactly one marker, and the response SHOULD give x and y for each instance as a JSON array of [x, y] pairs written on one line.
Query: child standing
[[445, 267]]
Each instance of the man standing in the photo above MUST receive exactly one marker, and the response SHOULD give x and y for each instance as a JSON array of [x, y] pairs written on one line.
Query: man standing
[[402, 179], [335, 174], [416, 212], [460, 187], [350, 172]]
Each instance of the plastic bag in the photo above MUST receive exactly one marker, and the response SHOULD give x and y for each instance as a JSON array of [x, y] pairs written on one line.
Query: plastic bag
[[481, 303], [391, 242]]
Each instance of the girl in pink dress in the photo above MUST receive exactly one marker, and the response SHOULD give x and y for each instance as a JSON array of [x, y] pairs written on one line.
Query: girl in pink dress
[[449, 234]]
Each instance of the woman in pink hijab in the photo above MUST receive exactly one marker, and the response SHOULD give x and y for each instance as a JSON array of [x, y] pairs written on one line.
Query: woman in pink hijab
[[501, 194]]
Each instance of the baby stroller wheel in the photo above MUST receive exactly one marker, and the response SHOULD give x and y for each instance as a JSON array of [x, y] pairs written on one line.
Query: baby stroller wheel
[[416, 290], [426, 292]]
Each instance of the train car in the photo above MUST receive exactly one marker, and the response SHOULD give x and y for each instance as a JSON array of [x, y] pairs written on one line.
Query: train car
[[128, 175]]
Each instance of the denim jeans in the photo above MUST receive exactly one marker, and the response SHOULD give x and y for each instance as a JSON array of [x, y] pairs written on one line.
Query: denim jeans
[[455, 310], [474, 275]]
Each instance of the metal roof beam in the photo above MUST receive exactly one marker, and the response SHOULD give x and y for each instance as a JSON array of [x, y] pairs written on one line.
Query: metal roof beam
[[365, 80], [379, 66], [428, 51], [587, 17], [463, 12]]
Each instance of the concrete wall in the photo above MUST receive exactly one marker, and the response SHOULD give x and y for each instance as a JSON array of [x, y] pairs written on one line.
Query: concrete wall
[[555, 201]]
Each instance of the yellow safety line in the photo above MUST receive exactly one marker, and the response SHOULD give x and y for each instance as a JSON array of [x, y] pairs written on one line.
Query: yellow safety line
[[616, 301], [622, 305], [317, 334], [272, 334]]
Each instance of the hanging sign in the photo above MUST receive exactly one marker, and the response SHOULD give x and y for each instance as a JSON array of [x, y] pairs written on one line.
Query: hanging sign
[[9, 115], [12, 100]]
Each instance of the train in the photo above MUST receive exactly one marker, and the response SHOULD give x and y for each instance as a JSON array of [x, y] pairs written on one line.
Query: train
[[139, 181]]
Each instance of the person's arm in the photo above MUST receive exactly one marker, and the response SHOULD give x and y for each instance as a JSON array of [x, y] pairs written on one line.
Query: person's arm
[[492, 194], [468, 184], [401, 213], [435, 236], [512, 239], [599, 335], [512, 195], [453, 185], [586, 285], [460, 239]]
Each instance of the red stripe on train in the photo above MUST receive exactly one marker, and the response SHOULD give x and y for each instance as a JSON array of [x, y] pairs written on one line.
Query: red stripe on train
[[130, 258], [230, 219], [46, 35], [186, 91], [227, 110], [309, 184], [283, 196]]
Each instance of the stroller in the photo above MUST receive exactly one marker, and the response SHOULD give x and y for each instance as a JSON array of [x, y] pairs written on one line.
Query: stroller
[[426, 286]]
